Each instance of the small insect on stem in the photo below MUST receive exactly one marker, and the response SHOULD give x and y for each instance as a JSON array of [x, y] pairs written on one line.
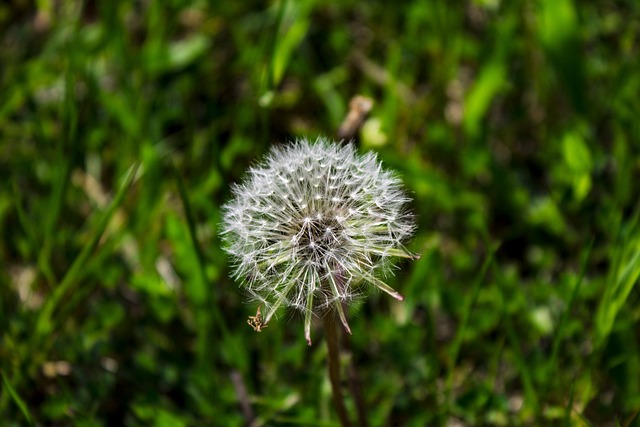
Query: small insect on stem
[[256, 322]]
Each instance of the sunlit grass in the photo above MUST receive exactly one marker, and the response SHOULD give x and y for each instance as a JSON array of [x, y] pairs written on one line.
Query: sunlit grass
[[513, 126]]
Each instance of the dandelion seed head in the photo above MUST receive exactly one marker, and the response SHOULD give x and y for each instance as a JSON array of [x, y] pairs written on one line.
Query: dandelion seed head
[[312, 225]]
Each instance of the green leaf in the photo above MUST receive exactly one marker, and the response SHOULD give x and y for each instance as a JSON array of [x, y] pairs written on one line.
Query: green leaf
[[185, 52], [165, 418], [576, 153], [558, 31], [544, 212], [490, 83]]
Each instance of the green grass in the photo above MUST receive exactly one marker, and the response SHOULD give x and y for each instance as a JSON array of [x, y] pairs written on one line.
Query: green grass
[[514, 125]]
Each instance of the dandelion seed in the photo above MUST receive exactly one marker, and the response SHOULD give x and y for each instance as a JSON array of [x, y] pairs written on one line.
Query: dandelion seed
[[318, 254]]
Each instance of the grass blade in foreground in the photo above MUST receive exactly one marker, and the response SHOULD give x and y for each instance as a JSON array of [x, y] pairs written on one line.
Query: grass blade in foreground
[[16, 398], [623, 276], [552, 368], [469, 303], [44, 323]]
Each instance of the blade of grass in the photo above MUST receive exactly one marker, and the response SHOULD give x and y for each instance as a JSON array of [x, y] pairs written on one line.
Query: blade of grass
[[44, 324], [184, 198], [559, 334], [206, 310], [531, 396], [208, 307], [623, 276], [66, 148], [270, 45], [631, 417], [569, 408], [44, 265], [17, 399], [56, 201], [466, 313]]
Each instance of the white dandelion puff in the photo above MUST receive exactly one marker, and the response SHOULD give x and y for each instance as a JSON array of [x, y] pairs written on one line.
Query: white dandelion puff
[[313, 226]]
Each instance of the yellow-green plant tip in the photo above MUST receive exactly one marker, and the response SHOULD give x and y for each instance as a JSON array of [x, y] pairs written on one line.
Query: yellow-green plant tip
[[343, 317], [384, 287], [338, 303]]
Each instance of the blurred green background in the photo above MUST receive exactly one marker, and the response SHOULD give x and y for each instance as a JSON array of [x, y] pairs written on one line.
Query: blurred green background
[[514, 124]]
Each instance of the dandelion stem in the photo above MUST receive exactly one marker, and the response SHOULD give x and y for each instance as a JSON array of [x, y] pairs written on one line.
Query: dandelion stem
[[355, 385], [333, 364]]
